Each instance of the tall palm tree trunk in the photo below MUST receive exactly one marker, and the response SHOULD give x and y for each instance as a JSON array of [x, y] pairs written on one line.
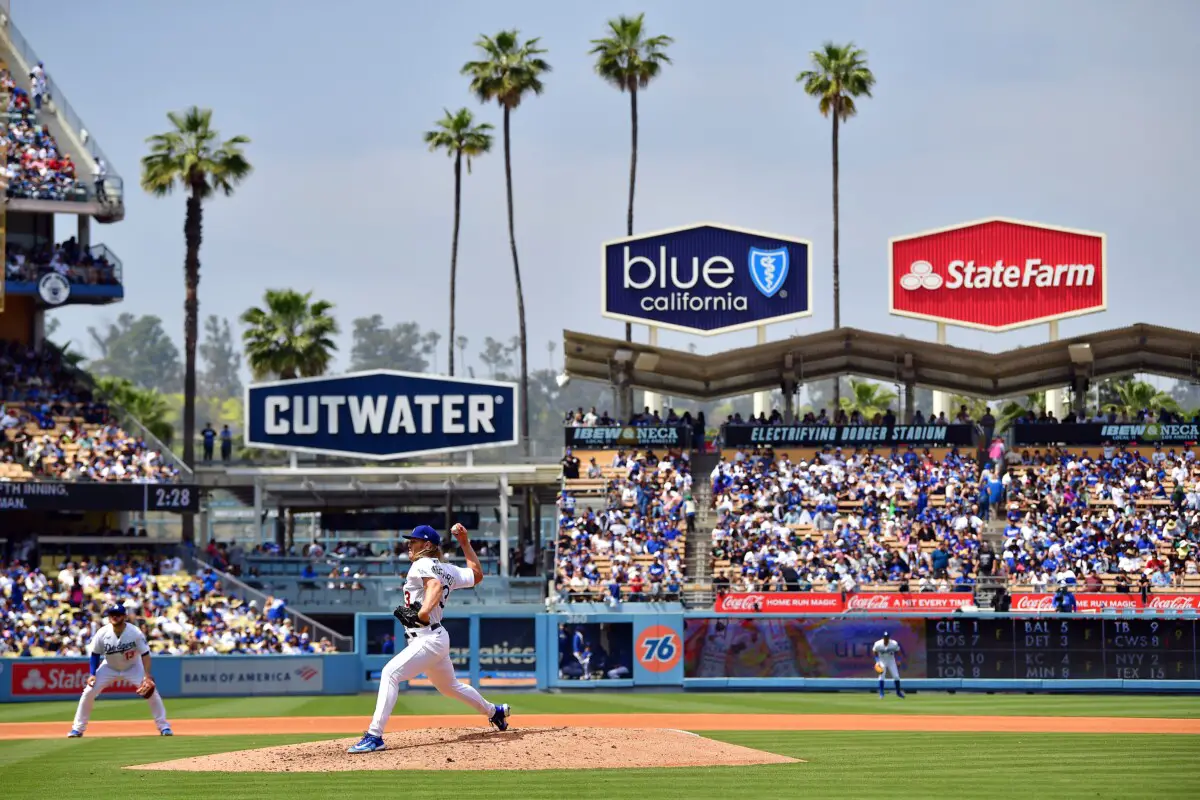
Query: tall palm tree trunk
[[632, 179], [192, 233], [837, 278], [454, 251], [512, 241]]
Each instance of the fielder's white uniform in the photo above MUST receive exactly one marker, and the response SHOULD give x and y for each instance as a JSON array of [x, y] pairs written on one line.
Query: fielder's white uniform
[[885, 654], [428, 649], [122, 662]]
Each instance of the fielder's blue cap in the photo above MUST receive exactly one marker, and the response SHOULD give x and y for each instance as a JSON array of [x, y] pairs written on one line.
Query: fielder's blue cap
[[115, 609], [426, 533]]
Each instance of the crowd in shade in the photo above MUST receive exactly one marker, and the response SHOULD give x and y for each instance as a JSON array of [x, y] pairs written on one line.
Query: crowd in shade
[[52, 426], [586, 419], [841, 521], [36, 168], [75, 263], [625, 539], [56, 613], [1111, 520]]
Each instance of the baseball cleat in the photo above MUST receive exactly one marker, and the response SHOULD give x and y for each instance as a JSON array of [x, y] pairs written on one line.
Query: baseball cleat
[[881, 694], [74, 734], [368, 744], [166, 732], [499, 717], [900, 694]]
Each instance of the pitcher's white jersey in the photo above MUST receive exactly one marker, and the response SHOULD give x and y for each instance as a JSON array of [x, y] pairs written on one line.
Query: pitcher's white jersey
[[120, 652], [451, 577]]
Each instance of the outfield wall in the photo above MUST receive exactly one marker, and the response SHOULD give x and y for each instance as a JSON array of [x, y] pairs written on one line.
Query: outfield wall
[[661, 646]]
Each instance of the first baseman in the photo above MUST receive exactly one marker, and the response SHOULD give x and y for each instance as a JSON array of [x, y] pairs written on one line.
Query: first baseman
[[119, 652], [885, 651], [426, 588]]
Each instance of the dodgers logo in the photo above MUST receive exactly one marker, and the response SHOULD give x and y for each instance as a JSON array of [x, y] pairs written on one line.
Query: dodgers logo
[[768, 269]]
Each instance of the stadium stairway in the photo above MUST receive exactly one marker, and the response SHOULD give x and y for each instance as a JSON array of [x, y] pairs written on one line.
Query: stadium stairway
[[698, 554]]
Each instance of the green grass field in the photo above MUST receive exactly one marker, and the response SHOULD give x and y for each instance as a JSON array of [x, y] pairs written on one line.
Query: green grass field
[[837, 764]]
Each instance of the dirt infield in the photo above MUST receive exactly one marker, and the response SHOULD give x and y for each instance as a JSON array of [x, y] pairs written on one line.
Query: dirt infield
[[689, 722], [516, 749]]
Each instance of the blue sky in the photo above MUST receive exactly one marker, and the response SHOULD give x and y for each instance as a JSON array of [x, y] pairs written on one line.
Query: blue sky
[[1081, 114]]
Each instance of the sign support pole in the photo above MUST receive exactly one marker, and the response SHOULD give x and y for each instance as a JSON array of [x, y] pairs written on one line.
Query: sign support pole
[[504, 525], [1054, 396], [762, 400], [653, 400], [940, 399]]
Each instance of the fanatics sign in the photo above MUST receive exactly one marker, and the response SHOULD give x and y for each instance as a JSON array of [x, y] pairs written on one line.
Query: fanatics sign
[[997, 274]]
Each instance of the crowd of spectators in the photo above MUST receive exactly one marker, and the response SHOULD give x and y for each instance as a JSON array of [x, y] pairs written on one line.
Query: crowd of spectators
[[69, 259], [36, 168], [581, 419], [623, 538], [52, 426], [56, 614]]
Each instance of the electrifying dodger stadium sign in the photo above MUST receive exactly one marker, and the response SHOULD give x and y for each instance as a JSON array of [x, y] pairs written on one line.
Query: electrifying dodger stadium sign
[[381, 414], [706, 278]]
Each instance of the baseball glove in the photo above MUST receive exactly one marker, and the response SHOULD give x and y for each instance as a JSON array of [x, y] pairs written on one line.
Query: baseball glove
[[408, 616], [879, 668], [146, 689]]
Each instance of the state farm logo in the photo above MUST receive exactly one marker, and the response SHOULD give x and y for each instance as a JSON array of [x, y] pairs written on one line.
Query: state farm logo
[[744, 602], [873, 602], [920, 276], [34, 681], [65, 678], [1034, 602]]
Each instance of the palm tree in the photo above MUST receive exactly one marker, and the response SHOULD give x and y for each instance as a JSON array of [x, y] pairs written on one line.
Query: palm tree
[[839, 75], [461, 138], [629, 60], [1015, 410], [191, 157], [975, 406], [509, 70], [867, 398], [1134, 396], [147, 406], [291, 337]]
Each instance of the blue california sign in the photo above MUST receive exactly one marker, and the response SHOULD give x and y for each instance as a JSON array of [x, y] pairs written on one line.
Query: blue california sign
[[706, 278], [381, 414]]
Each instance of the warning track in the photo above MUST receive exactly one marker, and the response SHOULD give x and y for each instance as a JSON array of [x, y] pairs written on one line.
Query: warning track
[[688, 722]]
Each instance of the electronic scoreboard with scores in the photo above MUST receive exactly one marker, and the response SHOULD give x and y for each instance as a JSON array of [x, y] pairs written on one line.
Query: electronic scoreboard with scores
[[1049, 647]]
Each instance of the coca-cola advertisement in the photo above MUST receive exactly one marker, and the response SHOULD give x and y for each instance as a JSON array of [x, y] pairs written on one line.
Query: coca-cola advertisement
[[777, 647], [832, 603], [1093, 601], [932, 602]]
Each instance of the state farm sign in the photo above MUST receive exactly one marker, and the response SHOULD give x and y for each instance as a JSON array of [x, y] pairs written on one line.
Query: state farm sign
[[997, 274], [57, 679]]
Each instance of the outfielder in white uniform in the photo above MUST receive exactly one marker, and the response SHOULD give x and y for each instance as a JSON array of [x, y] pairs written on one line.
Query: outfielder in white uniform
[[885, 651], [118, 652], [426, 588]]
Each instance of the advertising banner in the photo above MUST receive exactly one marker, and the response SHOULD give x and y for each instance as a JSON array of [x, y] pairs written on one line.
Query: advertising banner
[[1121, 601], [381, 415], [612, 437], [1100, 433], [832, 602], [55, 496], [997, 274], [706, 278], [507, 647], [236, 676], [56, 680], [849, 435]]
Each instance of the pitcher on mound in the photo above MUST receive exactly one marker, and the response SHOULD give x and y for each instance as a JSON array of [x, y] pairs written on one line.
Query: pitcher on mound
[[426, 588]]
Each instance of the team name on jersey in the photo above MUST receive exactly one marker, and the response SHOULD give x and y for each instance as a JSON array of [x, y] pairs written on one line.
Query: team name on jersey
[[120, 647]]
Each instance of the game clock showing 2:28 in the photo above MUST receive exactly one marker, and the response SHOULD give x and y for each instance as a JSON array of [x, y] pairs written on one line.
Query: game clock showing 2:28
[[1061, 648], [172, 498]]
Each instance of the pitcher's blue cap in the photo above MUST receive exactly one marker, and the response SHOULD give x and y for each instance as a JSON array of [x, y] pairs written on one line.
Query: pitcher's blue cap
[[114, 610], [425, 533]]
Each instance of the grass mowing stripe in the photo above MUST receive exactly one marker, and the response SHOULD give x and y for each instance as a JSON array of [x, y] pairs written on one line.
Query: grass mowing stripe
[[425, 702]]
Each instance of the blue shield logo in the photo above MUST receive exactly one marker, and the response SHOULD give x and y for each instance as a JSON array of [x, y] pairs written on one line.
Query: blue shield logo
[[768, 269]]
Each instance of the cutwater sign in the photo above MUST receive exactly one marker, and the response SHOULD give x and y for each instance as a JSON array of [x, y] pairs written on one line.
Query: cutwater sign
[[706, 278], [381, 414]]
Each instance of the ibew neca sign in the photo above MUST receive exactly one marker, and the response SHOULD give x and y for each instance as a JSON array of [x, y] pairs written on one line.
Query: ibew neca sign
[[381, 414], [706, 278]]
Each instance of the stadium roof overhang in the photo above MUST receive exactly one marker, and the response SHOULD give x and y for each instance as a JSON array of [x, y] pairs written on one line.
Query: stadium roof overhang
[[1138, 348]]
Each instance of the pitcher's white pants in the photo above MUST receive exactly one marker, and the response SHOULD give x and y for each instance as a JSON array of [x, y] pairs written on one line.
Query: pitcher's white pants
[[105, 676], [427, 653]]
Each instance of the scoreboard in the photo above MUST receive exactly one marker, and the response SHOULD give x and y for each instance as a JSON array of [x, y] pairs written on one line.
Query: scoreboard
[[1061, 648]]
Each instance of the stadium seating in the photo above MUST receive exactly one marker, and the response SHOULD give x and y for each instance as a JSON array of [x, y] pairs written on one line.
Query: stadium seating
[[57, 613], [36, 168], [53, 428], [68, 259]]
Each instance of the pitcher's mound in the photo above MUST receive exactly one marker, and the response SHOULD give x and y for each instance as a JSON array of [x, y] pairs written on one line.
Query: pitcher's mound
[[516, 749]]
